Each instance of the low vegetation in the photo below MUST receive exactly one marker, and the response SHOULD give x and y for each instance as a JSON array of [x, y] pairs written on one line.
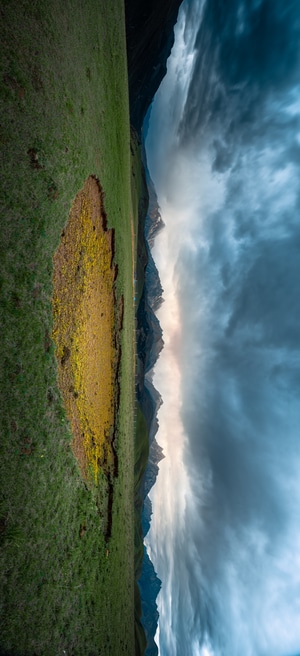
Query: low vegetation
[[86, 331], [67, 582]]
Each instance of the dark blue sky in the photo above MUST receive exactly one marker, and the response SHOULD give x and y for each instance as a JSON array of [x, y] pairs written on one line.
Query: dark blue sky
[[224, 152]]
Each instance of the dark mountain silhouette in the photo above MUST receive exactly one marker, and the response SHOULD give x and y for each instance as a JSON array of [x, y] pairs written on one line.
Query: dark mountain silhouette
[[150, 586], [153, 222], [150, 37], [149, 345]]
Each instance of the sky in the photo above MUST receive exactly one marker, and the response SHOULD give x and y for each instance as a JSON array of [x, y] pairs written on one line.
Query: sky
[[223, 149]]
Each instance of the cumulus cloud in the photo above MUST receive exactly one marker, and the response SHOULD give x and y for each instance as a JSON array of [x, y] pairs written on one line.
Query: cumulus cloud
[[227, 174]]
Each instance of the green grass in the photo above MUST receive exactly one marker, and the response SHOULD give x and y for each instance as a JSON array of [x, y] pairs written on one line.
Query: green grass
[[64, 116]]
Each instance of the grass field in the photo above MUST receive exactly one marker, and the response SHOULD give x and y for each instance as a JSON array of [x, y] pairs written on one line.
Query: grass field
[[64, 117]]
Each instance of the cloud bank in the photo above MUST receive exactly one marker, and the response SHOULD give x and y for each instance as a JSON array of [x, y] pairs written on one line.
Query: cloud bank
[[224, 152]]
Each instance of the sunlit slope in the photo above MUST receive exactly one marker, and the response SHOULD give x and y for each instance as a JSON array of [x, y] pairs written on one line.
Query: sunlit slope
[[64, 117]]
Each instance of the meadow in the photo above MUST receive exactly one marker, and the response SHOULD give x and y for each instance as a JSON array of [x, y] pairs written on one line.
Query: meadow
[[66, 586]]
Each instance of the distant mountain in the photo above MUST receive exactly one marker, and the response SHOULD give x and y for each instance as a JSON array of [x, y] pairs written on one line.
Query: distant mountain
[[149, 345], [146, 516], [156, 401], [150, 37], [155, 290], [150, 586], [153, 222], [149, 338], [149, 332], [155, 456]]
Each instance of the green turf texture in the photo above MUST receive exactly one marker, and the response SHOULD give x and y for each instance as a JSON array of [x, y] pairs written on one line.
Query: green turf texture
[[64, 116]]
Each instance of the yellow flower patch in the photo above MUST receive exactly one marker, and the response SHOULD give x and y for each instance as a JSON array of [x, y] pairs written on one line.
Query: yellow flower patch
[[84, 329]]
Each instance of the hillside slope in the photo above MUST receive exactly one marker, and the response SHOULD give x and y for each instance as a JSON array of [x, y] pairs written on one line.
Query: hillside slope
[[150, 37]]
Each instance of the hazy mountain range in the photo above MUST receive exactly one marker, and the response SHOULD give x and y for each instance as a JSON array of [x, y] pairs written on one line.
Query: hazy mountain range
[[150, 37]]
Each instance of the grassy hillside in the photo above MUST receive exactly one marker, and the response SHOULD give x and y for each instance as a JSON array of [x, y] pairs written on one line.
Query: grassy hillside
[[64, 116]]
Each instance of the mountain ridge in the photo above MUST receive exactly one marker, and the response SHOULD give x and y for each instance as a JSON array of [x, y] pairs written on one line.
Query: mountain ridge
[[150, 37], [149, 346]]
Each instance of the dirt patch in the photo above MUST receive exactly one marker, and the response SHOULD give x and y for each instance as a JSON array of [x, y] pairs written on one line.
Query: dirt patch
[[86, 332]]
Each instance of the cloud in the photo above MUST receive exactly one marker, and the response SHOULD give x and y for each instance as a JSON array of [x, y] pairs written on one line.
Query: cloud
[[227, 176], [246, 53]]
